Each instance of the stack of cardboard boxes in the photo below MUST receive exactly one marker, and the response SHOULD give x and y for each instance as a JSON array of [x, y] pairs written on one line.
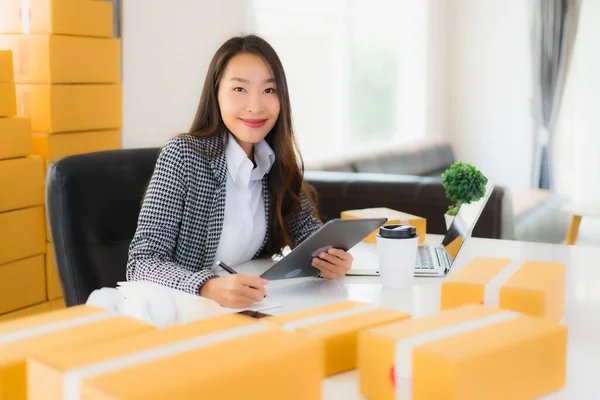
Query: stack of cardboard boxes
[[66, 82], [22, 228]]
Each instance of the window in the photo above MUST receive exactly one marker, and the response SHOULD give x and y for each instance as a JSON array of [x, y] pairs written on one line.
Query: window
[[356, 70]]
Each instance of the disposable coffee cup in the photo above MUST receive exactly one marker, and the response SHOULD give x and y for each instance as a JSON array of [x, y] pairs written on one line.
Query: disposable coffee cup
[[397, 250]]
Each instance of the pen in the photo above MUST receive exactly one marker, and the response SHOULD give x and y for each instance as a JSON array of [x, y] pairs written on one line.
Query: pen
[[231, 271]]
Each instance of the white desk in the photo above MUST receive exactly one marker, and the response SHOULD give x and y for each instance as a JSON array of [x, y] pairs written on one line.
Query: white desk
[[582, 304]]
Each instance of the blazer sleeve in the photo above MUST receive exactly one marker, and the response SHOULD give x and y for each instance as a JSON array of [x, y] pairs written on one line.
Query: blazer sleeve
[[304, 223], [150, 252]]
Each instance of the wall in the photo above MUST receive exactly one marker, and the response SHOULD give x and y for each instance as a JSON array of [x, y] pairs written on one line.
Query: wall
[[167, 47], [438, 61], [489, 116]]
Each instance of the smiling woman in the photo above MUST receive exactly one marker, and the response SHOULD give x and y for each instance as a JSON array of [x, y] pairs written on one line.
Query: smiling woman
[[232, 188], [248, 99]]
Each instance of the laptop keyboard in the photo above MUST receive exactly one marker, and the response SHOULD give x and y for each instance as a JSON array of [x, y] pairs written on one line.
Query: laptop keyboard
[[427, 258]]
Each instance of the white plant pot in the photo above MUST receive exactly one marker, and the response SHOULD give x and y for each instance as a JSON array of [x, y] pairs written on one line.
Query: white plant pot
[[449, 219]]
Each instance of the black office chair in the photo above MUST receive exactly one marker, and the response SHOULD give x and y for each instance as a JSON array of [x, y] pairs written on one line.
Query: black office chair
[[92, 204]]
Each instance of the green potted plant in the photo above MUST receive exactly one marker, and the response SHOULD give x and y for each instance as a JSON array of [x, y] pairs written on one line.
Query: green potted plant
[[463, 184]]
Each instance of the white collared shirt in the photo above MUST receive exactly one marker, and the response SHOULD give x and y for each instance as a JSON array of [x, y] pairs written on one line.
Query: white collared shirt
[[244, 226]]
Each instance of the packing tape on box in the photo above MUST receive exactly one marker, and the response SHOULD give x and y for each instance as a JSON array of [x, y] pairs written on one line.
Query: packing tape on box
[[53, 327], [491, 291], [72, 379], [25, 15], [404, 348], [319, 319]]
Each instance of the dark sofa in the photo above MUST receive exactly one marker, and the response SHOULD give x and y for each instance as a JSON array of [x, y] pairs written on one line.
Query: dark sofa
[[526, 214]]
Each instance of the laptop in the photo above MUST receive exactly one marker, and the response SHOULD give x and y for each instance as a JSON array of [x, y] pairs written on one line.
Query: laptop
[[437, 260]]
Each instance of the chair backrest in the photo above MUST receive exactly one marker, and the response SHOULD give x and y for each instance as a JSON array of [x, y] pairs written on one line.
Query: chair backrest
[[92, 204]]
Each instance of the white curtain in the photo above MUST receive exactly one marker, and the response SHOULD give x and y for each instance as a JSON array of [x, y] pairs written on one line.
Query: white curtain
[[576, 153], [554, 29]]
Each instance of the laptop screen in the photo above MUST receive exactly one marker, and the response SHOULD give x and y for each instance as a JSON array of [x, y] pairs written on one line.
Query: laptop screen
[[463, 223]]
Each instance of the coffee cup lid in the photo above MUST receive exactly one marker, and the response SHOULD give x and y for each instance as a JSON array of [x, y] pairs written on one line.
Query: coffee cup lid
[[395, 231]]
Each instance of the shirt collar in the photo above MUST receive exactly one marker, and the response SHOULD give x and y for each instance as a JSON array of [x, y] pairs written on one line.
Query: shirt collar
[[240, 166]]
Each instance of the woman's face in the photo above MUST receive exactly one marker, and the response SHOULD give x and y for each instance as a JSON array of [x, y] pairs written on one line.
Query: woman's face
[[248, 99]]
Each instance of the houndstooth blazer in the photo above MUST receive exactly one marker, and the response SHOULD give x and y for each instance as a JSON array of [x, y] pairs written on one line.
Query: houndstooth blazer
[[180, 222]]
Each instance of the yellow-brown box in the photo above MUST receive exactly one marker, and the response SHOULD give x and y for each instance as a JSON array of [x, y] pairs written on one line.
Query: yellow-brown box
[[393, 216], [21, 183], [23, 234], [470, 352], [535, 288], [70, 108], [53, 286], [6, 66], [64, 59], [337, 327], [8, 101], [23, 338], [62, 17], [57, 304], [28, 311], [224, 357], [55, 146], [15, 137], [22, 283]]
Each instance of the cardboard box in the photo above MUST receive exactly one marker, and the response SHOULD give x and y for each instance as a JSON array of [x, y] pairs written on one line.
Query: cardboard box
[[74, 326], [8, 102], [70, 108], [337, 327], [53, 286], [393, 216], [57, 146], [21, 183], [26, 312], [64, 59], [535, 288], [63, 17], [57, 304], [6, 66], [15, 137], [22, 283], [470, 352], [23, 234], [196, 360], [52, 366], [47, 230]]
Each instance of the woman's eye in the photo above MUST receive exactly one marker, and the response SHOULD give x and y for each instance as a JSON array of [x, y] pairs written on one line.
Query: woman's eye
[[239, 89], [270, 90]]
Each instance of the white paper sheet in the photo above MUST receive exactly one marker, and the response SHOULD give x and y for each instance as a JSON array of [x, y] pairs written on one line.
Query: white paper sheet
[[266, 304]]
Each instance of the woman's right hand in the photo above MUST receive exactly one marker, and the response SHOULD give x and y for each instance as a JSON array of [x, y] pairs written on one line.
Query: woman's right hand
[[235, 291]]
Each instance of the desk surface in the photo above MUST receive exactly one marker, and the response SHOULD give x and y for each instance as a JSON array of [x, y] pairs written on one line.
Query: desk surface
[[582, 314]]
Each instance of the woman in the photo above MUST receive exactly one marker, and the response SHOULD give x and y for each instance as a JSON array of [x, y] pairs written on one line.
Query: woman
[[232, 188]]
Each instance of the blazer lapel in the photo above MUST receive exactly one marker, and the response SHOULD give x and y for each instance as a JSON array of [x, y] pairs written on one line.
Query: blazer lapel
[[218, 161], [216, 215]]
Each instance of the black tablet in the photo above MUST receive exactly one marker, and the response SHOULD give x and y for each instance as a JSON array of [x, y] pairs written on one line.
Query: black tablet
[[338, 233]]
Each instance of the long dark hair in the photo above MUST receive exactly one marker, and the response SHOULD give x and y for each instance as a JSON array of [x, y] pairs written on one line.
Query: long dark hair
[[286, 183]]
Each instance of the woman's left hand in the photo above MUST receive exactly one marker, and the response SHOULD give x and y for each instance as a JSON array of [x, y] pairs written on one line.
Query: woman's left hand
[[333, 264]]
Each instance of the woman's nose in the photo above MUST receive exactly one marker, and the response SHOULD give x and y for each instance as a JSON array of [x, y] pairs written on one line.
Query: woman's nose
[[254, 104]]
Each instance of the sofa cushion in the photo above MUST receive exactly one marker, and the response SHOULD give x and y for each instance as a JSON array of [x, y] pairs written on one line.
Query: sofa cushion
[[428, 157]]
